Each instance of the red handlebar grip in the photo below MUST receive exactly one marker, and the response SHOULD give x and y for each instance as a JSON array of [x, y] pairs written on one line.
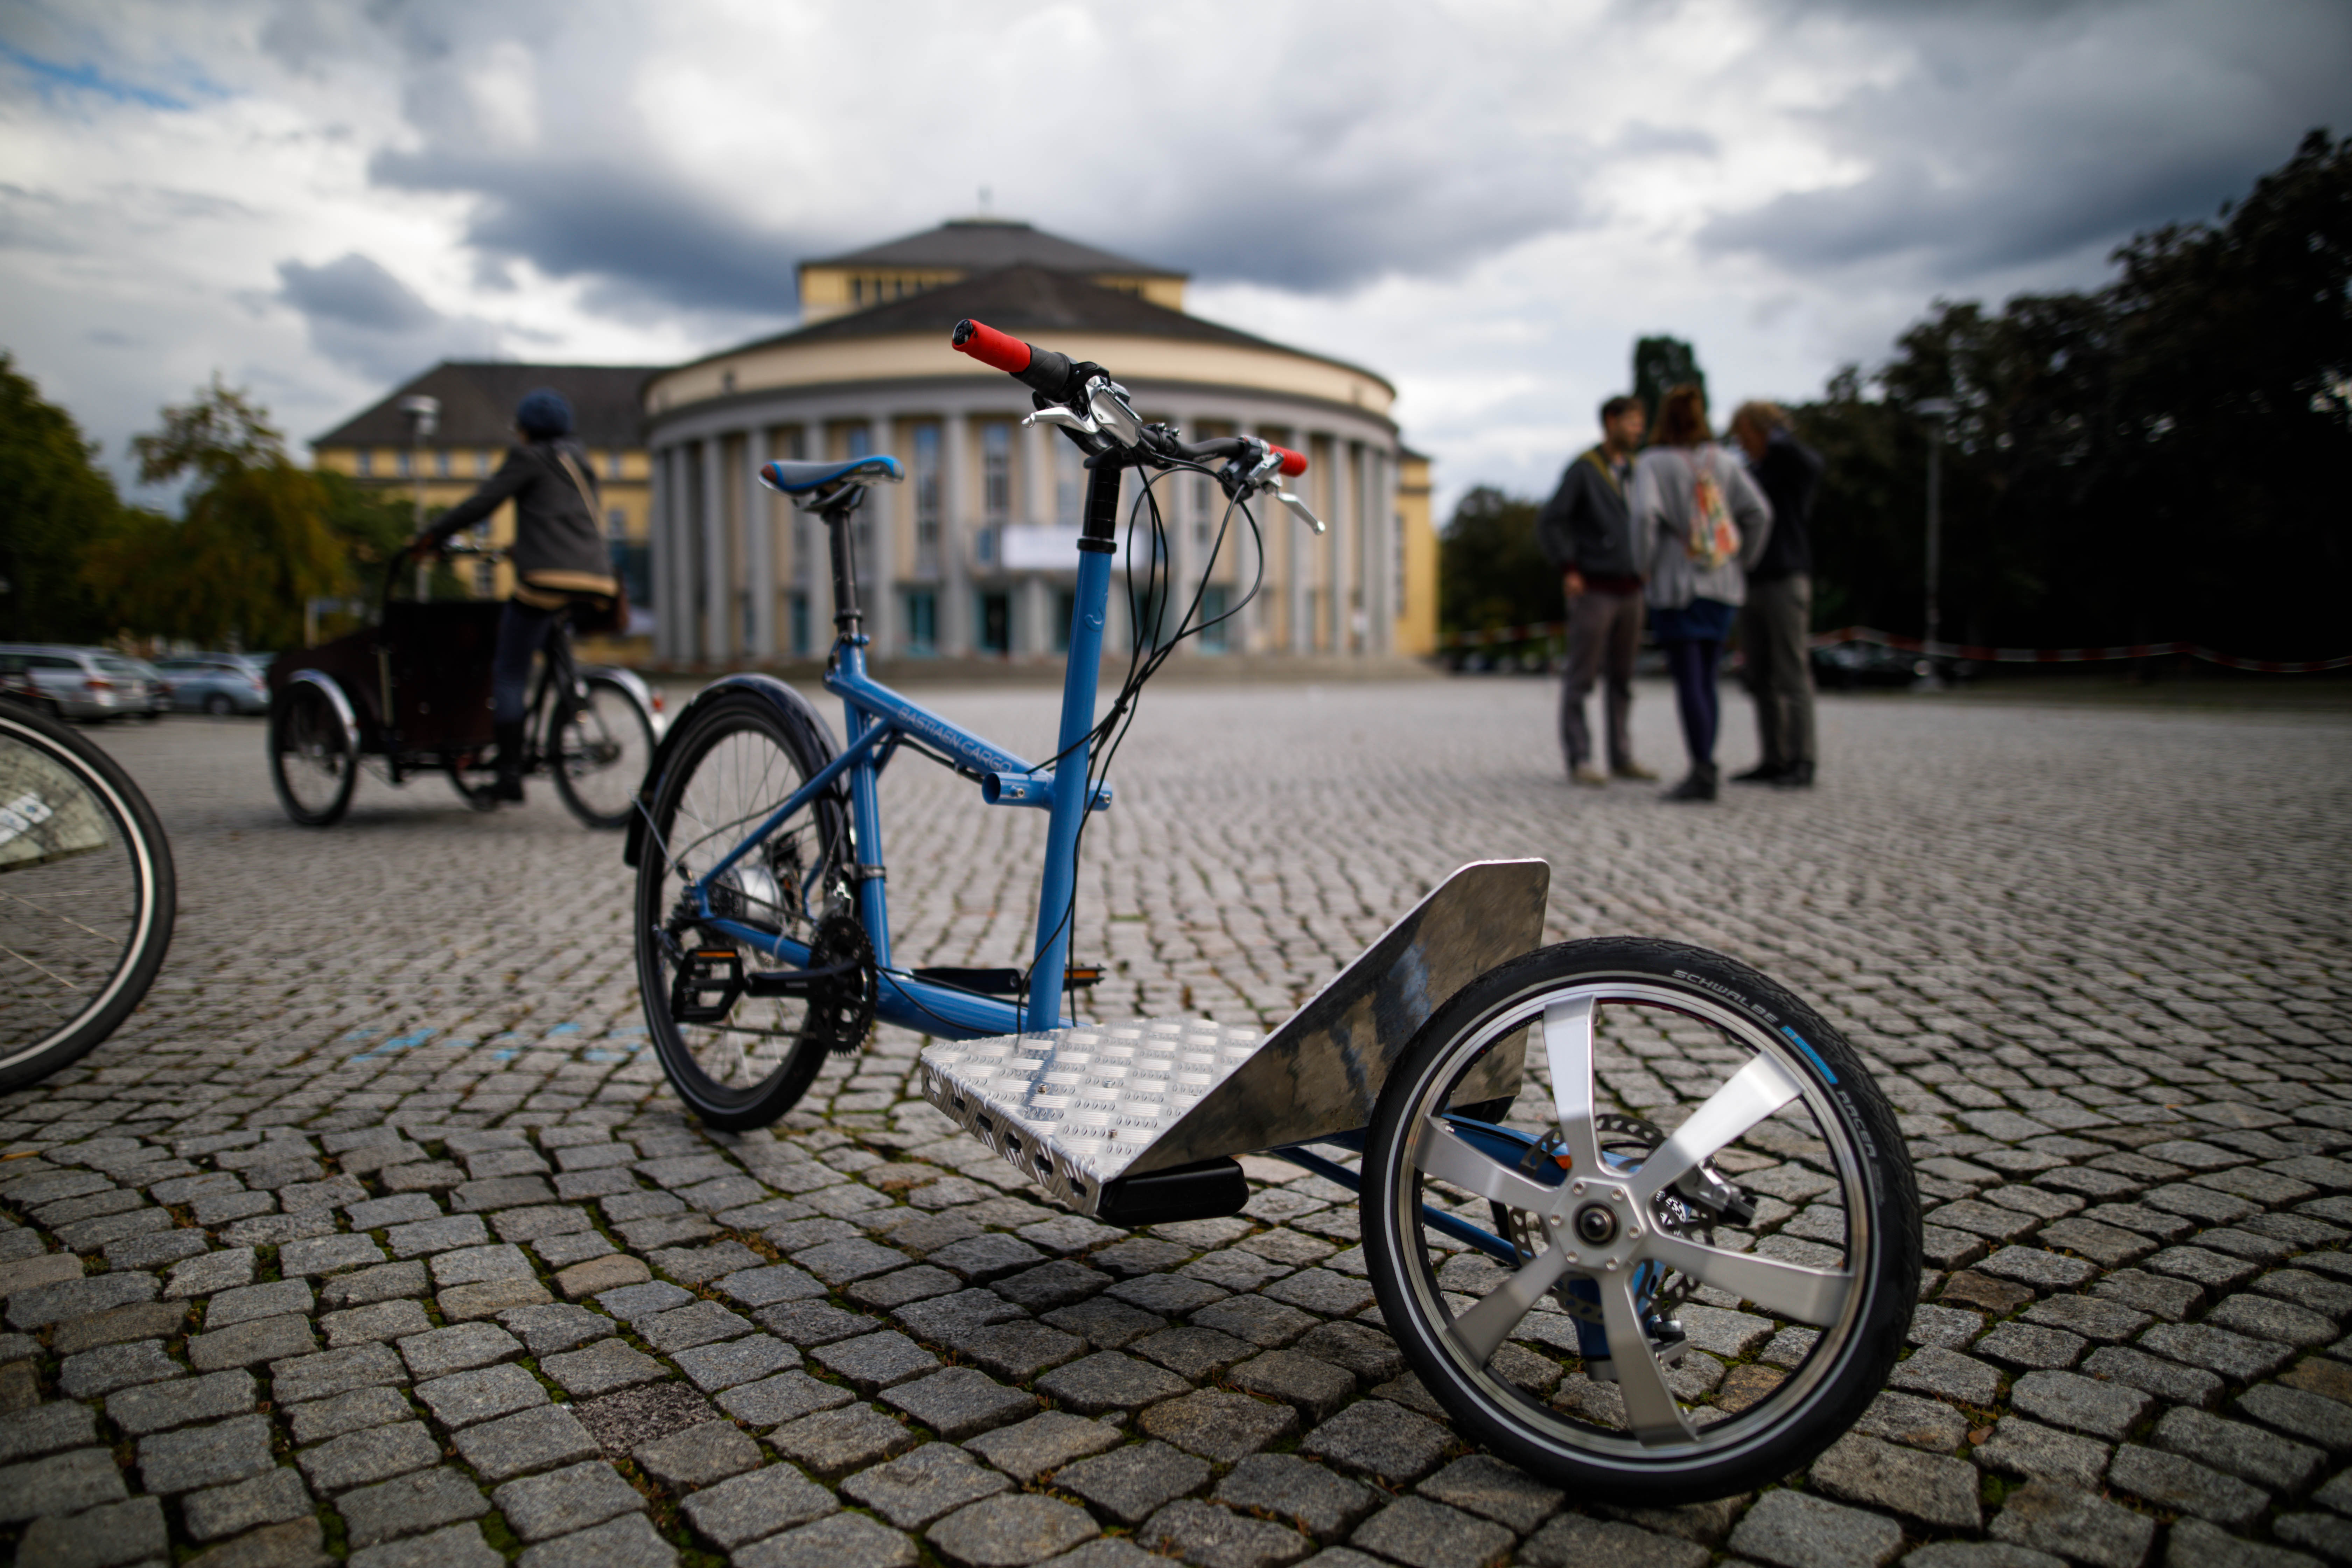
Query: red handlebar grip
[[1293, 463], [991, 347]]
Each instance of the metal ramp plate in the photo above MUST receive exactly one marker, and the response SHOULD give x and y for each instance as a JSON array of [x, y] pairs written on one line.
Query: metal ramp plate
[[1078, 1107]]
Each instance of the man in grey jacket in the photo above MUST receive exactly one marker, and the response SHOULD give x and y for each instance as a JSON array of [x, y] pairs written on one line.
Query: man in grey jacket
[[1588, 535]]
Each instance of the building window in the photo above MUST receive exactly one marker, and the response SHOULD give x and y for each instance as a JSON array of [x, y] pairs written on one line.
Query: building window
[[1066, 609], [441, 462], [486, 580], [996, 623], [482, 464], [617, 523], [1069, 482], [996, 474], [402, 463], [800, 619], [927, 500], [1213, 625], [922, 623], [365, 465]]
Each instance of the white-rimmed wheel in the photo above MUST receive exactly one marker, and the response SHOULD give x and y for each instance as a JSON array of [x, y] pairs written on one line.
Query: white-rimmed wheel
[[1656, 1336]]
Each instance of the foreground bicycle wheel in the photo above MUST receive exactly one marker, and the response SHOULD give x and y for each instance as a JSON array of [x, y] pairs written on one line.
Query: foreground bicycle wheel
[[1625, 1353], [87, 896], [748, 1062], [598, 754]]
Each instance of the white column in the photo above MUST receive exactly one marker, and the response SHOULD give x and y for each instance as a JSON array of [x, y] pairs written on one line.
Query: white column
[[1379, 546], [658, 540], [1032, 605], [760, 546], [1337, 611], [1298, 562], [956, 516], [879, 594], [717, 600]]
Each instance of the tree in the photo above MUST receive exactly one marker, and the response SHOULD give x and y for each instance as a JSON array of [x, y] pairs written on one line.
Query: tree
[[1660, 365], [53, 500], [254, 546], [1490, 570]]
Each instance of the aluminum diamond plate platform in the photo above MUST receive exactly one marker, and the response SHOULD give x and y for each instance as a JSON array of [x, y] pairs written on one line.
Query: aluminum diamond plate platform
[[1078, 1107]]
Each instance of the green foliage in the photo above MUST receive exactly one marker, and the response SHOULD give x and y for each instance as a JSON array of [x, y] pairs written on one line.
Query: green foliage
[[2165, 457], [1490, 570], [254, 545], [1660, 365], [53, 500]]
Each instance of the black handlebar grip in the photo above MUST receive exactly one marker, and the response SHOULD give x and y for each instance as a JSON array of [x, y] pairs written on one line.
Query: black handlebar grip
[[1042, 369]]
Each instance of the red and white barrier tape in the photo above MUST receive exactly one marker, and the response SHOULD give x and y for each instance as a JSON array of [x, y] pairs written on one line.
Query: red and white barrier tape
[[1963, 650]]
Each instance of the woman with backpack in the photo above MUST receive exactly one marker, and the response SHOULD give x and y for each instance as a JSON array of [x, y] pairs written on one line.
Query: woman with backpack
[[1702, 521]]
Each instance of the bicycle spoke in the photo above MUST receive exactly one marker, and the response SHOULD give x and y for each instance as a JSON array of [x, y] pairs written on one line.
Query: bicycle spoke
[[1651, 1408], [1444, 1154], [1482, 1330], [1814, 1296], [1568, 1048], [1753, 1093]]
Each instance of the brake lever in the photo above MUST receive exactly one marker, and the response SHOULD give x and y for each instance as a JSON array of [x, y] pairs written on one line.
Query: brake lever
[[1300, 508], [1062, 418]]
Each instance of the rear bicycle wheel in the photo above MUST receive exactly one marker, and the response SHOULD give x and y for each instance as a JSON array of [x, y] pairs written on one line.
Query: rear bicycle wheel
[[310, 758], [599, 751], [1643, 1342], [88, 896], [747, 1063]]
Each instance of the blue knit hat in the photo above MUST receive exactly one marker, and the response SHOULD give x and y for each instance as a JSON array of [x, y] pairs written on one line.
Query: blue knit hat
[[544, 414]]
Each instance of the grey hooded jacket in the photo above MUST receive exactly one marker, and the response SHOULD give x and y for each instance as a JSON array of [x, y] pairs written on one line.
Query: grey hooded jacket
[[1661, 506]]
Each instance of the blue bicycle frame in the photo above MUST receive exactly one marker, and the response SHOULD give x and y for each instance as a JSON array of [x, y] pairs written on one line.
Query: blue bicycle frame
[[878, 720]]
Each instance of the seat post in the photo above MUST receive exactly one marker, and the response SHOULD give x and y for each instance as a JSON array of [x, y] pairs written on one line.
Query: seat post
[[846, 619]]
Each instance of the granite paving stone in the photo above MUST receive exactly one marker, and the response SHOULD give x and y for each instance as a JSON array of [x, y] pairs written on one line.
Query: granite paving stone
[[2019, 1446], [527, 1441], [2262, 1458], [751, 1507], [713, 1367], [458, 1348], [628, 1417], [935, 1480], [320, 1419], [1129, 1484], [706, 1452], [832, 1443], [62, 1483], [1792, 1530], [336, 1372], [1426, 1534], [2171, 1481], [787, 1396], [603, 1366], [843, 1541], [274, 1497], [465, 1397], [2069, 1522], [373, 1454], [1042, 1444], [1010, 1531], [562, 1501], [960, 1402], [628, 1541], [155, 1407], [103, 1371], [196, 1456]]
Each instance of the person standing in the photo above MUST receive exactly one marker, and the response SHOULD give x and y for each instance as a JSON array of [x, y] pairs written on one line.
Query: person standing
[[1776, 623], [1702, 522], [1587, 533]]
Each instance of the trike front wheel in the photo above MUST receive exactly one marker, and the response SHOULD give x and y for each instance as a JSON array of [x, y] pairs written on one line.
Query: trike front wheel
[[1689, 1300], [598, 751], [743, 1060], [311, 760]]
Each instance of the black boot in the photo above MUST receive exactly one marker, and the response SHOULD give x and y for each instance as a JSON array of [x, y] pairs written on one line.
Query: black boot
[[1796, 775], [1699, 785], [508, 785], [1762, 773]]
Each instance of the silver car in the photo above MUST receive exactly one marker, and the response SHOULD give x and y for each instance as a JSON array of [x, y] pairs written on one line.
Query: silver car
[[81, 682], [217, 683]]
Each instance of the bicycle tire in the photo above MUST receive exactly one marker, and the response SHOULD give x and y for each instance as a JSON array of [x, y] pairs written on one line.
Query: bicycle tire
[[153, 903], [716, 739], [301, 716], [618, 704], [1657, 1444]]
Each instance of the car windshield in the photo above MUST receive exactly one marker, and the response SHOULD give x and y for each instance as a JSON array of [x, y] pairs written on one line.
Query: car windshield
[[114, 665]]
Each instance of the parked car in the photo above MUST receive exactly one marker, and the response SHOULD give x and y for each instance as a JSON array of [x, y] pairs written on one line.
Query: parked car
[[159, 690], [218, 683], [1844, 666], [83, 683]]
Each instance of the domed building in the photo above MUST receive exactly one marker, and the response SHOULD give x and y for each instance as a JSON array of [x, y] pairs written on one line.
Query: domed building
[[976, 554]]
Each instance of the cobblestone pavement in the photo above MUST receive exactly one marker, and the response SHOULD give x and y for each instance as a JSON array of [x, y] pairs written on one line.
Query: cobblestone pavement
[[375, 1233]]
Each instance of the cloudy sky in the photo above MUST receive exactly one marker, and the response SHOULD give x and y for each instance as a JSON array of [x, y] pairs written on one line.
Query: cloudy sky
[[1486, 201]]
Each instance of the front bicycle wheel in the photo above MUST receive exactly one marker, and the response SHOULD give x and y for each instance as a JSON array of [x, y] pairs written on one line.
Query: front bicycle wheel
[[600, 753], [310, 758], [87, 896], [740, 1060], [1698, 1298]]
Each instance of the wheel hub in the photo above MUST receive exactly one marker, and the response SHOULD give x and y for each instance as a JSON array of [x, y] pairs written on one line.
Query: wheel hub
[[1595, 1225]]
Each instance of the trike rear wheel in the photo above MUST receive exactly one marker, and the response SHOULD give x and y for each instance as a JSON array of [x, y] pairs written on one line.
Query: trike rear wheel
[[311, 761], [732, 767], [1643, 1343], [599, 750]]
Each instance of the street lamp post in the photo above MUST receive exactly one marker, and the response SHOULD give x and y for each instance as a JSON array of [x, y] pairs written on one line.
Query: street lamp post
[[1936, 410], [423, 414]]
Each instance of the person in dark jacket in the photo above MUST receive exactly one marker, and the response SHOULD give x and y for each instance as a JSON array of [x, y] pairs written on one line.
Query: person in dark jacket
[[559, 558], [1587, 533], [1776, 623]]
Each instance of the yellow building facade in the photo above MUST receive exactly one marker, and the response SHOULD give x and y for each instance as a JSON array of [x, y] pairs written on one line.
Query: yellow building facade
[[473, 426]]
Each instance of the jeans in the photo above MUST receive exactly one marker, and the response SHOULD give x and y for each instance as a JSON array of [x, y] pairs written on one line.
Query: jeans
[[1604, 630], [1773, 633], [522, 632], [1693, 664]]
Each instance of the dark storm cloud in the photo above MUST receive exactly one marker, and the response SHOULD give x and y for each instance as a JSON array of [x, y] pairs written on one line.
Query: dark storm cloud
[[2023, 134], [365, 320]]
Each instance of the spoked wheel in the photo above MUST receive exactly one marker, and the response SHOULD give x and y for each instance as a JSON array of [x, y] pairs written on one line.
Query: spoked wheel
[[601, 751], [87, 896], [1642, 1343], [741, 1060], [311, 760]]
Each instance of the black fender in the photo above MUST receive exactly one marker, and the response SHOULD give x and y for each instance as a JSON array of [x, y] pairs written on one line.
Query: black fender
[[800, 718]]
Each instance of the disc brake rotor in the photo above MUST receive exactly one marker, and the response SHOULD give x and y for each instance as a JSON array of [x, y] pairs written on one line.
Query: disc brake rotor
[[1625, 1141]]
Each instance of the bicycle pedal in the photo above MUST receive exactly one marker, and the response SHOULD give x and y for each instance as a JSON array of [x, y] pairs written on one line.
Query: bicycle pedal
[[709, 985]]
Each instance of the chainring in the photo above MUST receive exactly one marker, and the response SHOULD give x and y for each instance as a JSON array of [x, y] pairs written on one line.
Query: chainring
[[841, 1009], [1617, 1135]]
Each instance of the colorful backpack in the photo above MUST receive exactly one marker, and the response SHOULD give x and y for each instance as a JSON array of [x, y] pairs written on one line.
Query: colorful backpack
[[1714, 538]]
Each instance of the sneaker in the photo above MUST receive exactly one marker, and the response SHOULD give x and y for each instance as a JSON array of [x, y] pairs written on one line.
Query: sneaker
[[1586, 773], [1762, 773], [1698, 786], [1637, 771]]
